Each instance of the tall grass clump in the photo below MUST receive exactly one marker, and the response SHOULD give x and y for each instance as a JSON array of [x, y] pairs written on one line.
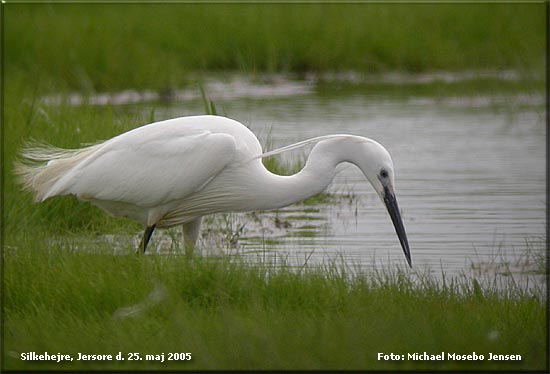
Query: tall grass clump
[[232, 314]]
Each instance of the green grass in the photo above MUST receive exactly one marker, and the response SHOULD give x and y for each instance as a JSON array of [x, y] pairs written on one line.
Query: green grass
[[232, 315], [89, 47]]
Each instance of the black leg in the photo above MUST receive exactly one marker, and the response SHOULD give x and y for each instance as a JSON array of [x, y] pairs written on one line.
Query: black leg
[[145, 240]]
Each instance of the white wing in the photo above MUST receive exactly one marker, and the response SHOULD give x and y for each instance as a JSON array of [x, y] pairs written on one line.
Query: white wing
[[149, 166]]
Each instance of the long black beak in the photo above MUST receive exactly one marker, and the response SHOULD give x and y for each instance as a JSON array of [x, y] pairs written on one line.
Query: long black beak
[[393, 210]]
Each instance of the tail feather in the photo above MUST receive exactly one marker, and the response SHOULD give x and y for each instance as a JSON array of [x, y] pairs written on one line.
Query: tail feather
[[41, 165]]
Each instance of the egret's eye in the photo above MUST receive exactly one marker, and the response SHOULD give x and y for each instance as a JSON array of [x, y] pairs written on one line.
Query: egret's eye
[[383, 173]]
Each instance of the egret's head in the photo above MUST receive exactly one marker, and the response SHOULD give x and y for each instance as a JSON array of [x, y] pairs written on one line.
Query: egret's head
[[376, 164]]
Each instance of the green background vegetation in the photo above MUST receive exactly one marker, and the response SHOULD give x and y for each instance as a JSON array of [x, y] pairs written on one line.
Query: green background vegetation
[[158, 46]]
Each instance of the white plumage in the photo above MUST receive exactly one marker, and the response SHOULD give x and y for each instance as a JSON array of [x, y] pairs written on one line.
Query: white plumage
[[176, 171]]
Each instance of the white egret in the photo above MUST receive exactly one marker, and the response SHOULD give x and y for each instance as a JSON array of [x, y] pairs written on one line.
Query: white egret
[[174, 172]]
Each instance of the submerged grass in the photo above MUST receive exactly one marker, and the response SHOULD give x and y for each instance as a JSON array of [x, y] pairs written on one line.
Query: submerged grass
[[230, 314]]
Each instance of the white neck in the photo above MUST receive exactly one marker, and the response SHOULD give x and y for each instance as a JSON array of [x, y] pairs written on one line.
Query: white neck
[[273, 191]]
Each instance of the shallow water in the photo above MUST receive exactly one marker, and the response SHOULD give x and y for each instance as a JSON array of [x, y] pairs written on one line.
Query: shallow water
[[469, 173]]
